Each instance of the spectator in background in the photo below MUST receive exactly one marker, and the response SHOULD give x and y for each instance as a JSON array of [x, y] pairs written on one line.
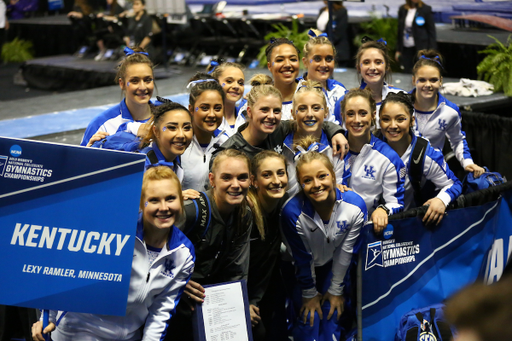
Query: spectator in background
[[108, 32], [81, 21], [339, 25], [18, 9], [4, 25], [140, 28], [482, 312], [416, 31]]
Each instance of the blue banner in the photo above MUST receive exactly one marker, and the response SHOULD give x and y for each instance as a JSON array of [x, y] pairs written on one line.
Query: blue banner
[[416, 267], [68, 217]]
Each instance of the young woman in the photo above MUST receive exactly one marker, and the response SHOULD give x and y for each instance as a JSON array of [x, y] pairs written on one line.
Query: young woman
[[283, 63], [373, 66], [135, 78], [437, 117], [268, 194], [232, 80], [222, 242], [264, 129], [169, 136], [319, 59], [206, 103], [377, 170], [396, 125], [140, 28], [416, 31], [309, 113], [320, 227], [155, 290]]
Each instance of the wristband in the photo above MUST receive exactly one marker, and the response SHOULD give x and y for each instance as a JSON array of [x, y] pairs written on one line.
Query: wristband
[[385, 209]]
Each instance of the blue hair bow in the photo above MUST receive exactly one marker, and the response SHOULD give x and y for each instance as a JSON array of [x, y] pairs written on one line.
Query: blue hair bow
[[381, 40], [312, 33], [435, 59], [214, 63], [128, 52]]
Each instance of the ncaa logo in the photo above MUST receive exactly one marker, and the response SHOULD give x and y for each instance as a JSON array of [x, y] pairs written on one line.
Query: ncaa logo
[[373, 255], [15, 150], [3, 162], [168, 267], [427, 337], [370, 172]]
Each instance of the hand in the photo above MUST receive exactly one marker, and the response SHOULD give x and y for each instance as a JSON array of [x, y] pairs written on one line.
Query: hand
[[343, 188], [190, 194], [336, 302], [100, 135], [397, 56], [6, 24], [126, 41], [379, 219], [255, 314], [309, 306], [99, 15], [37, 330], [435, 212], [476, 169], [193, 293], [339, 145]]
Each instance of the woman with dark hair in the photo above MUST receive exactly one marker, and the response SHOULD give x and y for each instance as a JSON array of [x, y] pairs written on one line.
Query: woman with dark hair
[[416, 31], [434, 185]]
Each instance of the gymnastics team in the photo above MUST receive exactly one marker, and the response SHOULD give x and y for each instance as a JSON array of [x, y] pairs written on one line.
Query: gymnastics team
[[289, 174]]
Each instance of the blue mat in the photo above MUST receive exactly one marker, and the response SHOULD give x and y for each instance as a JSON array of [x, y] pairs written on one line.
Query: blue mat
[[62, 121], [502, 7]]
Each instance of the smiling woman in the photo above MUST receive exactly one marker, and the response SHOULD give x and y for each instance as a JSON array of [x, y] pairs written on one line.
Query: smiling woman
[[169, 136], [206, 103], [377, 170], [320, 226], [232, 80], [163, 262], [135, 78], [221, 242], [319, 59]]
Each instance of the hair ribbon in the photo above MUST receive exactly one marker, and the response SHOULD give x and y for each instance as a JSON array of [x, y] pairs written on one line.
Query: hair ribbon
[[128, 52], [312, 34], [435, 59], [214, 63], [381, 40], [314, 147], [191, 84]]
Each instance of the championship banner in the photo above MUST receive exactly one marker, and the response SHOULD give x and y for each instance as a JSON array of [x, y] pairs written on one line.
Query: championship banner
[[416, 267], [68, 217]]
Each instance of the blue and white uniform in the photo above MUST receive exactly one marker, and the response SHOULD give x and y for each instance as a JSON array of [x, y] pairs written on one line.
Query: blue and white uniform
[[196, 162], [435, 170], [443, 122], [240, 110], [322, 252], [116, 119], [324, 148], [155, 290], [377, 173], [313, 243], [334, 92], [160, 160]]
